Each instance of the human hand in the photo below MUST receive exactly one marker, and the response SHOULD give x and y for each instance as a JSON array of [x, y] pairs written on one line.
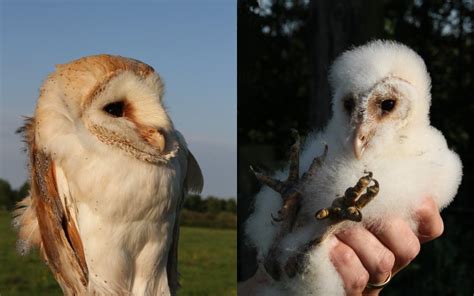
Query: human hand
[[364, 256]]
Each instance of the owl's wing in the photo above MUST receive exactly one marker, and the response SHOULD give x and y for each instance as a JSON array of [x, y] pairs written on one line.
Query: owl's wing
[[60, 242], [193, 182], [193, 179], [172, 264]]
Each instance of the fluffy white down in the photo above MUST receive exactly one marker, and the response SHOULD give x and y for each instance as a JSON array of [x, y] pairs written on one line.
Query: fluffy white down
[[125, 208], [419, 165]]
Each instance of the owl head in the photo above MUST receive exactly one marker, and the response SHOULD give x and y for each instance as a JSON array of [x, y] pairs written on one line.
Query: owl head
[[381, 91], [112, 99]]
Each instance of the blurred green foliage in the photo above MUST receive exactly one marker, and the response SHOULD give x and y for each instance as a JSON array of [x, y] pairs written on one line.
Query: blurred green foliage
[[222, 219], [211, 204], [9, 197]]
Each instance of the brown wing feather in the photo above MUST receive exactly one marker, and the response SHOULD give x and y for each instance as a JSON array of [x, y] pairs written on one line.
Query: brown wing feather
[[61, 245]]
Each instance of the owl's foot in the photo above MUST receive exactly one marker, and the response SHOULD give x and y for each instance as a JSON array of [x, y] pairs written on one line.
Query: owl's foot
[[343, 208], [348, 206], [290, 193]]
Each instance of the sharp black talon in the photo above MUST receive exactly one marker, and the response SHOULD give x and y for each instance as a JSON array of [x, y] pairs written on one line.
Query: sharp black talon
[[253, 170], [273, 269], [275, 184]]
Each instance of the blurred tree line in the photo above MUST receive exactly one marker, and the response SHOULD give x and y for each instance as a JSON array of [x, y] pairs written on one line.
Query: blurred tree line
[[211, 204], [284, 52], [211, 212]]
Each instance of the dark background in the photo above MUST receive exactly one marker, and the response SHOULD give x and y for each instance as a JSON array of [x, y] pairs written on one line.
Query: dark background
[[284, 51]]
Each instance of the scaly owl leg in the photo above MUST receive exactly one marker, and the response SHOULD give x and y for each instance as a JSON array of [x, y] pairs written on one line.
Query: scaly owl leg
[[291, 195], [287, 189], [343, 208]]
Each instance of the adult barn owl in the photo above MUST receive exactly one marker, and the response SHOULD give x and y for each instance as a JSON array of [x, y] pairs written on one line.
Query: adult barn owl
[[380, 139], [108, 177]]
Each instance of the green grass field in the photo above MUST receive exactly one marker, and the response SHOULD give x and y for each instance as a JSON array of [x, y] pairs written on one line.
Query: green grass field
[[207, 264]]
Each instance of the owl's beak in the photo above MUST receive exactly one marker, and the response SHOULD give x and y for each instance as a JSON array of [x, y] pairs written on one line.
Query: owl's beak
[[155, 138], [360, 140], [158, 140]]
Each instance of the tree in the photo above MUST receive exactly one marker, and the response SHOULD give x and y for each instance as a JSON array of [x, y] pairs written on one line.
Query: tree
[[21, 193], [231, 206], [6, 194], [213, 205], [194, 203]]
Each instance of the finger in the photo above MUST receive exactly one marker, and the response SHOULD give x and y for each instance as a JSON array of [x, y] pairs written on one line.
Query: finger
[[349, 267], [398, 237], [377, 259], [430, 223], [371, 292]]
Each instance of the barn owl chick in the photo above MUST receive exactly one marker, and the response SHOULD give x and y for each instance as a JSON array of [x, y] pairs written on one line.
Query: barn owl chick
[[108, 177], [380, 135]]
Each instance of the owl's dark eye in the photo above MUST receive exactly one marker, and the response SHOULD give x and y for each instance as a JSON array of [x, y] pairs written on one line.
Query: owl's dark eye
[[115, 109], [387, 105], [349, 105]]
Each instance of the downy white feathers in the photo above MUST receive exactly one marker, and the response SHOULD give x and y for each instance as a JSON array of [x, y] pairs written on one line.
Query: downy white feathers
[[380, 123]]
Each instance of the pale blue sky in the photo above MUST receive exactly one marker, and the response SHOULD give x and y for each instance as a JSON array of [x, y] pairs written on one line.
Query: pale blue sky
[[192, 44]]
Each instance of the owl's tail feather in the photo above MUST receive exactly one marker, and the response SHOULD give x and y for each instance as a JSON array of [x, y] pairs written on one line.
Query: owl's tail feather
[[26, 223]]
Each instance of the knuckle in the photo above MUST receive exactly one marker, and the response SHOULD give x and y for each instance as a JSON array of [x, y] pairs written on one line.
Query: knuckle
[[347, 256], [428, 213], [348, 234], [387, 260], [360, 281], [431, 226], [411, 251], [429, 205], [438, 231]]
